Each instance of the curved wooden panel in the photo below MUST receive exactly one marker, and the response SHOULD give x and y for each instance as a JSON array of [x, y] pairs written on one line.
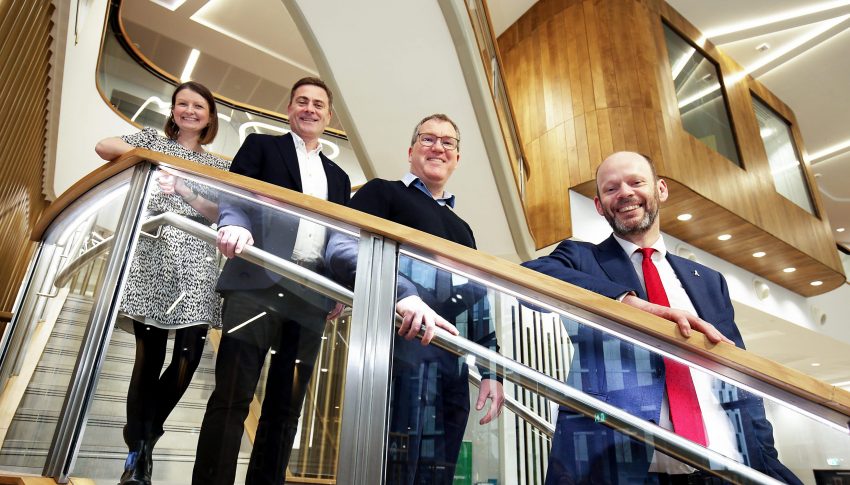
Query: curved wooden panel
[[25, 51], [475, 262], [591, 77]]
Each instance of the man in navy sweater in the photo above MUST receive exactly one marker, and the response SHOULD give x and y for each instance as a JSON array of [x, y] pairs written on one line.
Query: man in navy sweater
[[426, 378]]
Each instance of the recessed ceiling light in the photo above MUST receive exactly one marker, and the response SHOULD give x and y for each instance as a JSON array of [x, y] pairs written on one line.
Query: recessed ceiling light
[[759, 254], [684, 217], [190, 65], [789, 270], [724, 237], [840, 229], [815, 364], [170, 4], [816, 283]]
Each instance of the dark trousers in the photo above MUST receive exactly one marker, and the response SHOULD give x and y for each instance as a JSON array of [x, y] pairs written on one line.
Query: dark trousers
[[292, 330], [152, 396]]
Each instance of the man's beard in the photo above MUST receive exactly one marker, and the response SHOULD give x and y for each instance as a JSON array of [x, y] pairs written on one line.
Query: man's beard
[[649, 216]]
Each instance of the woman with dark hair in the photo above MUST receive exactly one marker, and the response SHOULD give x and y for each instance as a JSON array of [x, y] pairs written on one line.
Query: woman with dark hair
[[171, 282]]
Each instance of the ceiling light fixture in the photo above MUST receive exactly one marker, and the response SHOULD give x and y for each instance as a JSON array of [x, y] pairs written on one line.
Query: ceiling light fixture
[[772, 19], [816, 283], [684, 217], [815, 364], [759, 254], [792, 46], [840, 229], [190, 65], [790, 269], [169, 4], [724, 237]]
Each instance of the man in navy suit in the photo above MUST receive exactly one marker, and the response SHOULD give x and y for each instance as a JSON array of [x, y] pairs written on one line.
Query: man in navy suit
[[262, 311], [628, 196]]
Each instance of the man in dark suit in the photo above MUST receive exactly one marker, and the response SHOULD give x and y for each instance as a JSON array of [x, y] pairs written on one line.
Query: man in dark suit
[[262, 311], [634, 266]]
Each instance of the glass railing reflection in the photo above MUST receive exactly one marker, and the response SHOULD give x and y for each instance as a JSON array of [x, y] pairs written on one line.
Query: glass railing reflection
[[580, 390], [46, 338], [746, 429], [229, 400]]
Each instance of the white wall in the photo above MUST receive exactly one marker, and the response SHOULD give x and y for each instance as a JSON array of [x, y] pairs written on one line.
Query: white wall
[[394, 63], [85, 116]]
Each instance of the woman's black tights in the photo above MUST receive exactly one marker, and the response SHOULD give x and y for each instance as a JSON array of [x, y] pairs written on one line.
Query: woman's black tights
[[151, 396]]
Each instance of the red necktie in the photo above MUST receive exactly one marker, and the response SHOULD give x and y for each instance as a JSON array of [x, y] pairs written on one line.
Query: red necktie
[[684, 406]]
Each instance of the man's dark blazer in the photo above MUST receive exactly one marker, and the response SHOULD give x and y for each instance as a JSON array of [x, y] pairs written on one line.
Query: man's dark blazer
[[606, 269], [271, 159]]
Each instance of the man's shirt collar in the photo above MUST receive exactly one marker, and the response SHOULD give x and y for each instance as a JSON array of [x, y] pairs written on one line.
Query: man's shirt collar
[[630, 247], [448, 198], [300, 145]]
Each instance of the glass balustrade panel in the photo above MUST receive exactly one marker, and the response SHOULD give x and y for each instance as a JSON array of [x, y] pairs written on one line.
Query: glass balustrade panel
[[55, 313], [219, 366], [434, 424]]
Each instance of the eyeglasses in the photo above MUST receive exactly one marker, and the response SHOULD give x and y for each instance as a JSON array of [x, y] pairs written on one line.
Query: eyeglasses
[[448, 143]]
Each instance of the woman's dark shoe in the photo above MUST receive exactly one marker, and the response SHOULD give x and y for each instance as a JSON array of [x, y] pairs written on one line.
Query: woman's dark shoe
[[139, 465]]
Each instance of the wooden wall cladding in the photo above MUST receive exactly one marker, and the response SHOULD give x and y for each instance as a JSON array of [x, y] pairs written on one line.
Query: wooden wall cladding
[[24, 56], [588, 78]]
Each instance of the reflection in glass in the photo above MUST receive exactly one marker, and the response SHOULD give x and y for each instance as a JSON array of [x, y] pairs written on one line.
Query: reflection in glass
[[76, 248], [701, 97], [788, 176], [746, 427], [264, 362], [432, 409]]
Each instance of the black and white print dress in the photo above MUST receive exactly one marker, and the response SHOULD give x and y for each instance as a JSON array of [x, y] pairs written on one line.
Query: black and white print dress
[[172, 278]]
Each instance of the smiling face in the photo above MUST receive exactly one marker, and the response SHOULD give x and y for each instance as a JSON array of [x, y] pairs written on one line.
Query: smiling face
[[191, 112], [434, 165], [629, 197], [309, 113]]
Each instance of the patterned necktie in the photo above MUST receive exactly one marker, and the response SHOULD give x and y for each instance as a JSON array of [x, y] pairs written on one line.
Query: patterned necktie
[[685, 412]]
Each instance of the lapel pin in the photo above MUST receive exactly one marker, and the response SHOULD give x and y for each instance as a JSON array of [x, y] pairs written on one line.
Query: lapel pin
[[696, 273]]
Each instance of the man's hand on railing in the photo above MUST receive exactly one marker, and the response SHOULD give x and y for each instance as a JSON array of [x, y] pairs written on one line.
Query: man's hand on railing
[[684, 320], [492, 389], [415, 313], [231, 240]]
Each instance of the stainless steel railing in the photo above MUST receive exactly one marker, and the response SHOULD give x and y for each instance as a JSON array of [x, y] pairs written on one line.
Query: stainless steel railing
[[521, 375]]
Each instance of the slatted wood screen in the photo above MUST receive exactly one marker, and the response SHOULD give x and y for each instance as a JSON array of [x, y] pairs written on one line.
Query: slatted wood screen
[[24, 55]]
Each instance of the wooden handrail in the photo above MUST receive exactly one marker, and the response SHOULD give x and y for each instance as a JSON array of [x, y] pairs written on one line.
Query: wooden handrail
[[740, 361]]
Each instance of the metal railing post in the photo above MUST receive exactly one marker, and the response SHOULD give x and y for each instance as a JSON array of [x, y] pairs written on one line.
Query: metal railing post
[[365, 414], [72, 419]]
